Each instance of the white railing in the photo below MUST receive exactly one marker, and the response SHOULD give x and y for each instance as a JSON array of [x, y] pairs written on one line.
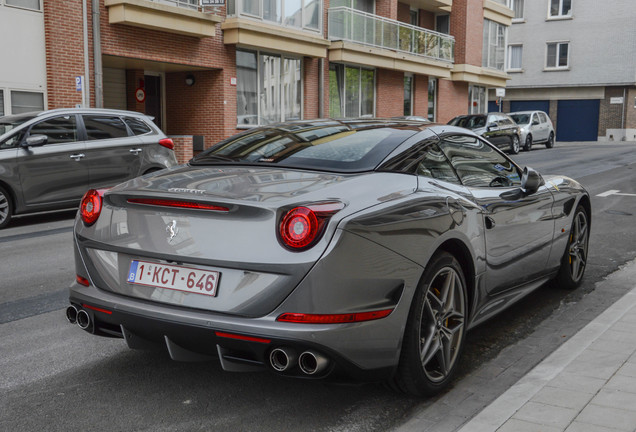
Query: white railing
[[364, 28], [188, 4]]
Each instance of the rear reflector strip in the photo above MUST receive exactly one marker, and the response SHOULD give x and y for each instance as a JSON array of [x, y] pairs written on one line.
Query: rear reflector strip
[[333, 318], [82, 280], [85, 306], [177, 203], [242, 337]]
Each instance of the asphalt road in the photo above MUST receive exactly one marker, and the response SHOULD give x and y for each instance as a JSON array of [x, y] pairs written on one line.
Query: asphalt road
[[56, 377]]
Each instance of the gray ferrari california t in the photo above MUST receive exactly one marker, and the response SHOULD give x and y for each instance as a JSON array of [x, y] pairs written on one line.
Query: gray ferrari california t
[[360, 248]]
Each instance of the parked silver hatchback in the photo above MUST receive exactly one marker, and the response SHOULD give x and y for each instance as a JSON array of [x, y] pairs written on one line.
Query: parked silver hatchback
[[535, 126], [49, 159]]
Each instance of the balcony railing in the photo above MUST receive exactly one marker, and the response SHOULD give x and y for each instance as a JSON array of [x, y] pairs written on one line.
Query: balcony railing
[[189, 4], [352, 25]]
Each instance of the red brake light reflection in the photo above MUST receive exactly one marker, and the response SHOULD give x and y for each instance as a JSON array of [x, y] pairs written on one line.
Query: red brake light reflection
[[177, 203], [167, 143], [82, 280], [333, 318]]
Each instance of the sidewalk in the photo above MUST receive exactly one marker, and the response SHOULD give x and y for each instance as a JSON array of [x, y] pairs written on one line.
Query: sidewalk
[[588, 384]]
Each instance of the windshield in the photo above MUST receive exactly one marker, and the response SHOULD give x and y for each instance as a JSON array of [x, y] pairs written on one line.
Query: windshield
[[331, 146], [521, 118], [8, 123], [469, 122]]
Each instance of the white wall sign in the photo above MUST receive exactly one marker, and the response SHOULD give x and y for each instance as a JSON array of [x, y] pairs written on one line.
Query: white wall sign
[[616, 100]]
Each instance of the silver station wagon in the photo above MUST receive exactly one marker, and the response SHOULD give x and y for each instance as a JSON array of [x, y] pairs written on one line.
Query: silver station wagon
[[49, 159]]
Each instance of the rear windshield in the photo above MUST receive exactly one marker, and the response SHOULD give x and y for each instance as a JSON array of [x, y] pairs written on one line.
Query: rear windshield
[[469, 122], [8, 123], [329, 146], [521, 118]]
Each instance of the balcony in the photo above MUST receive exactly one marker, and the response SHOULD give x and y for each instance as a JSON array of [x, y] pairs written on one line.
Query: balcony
[[171, 16], [363, 38], [290, 26]]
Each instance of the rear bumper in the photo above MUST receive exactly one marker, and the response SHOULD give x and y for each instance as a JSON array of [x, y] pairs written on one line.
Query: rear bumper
[[240, 344]]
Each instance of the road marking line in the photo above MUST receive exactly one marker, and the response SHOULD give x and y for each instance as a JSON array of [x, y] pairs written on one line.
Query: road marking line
[[614, 192]]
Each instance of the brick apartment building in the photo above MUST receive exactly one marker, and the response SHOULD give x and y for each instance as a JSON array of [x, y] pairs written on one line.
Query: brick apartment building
[[206, 72]]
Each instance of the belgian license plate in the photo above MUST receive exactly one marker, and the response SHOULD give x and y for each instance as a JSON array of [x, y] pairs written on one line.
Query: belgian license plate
[[174, 277]]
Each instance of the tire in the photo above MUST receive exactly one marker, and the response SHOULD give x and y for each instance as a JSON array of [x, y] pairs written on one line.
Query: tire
[[550, 142], [435, 330], [6, 208], [528, 144], [574, 258], [514, 144]]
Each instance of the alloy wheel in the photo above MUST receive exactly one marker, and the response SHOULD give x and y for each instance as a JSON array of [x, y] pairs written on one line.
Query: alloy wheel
[[442, 324], [577, 246]]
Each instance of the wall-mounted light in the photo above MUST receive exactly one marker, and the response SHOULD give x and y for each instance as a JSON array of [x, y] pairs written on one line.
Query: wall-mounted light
[[189, 80]]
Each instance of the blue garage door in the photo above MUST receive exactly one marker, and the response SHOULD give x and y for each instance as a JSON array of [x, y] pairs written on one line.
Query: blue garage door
[[492, 106], [530, 105], [577, 120]]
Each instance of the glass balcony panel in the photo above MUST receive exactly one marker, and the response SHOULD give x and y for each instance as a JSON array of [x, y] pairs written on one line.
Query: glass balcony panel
[[359, 27]]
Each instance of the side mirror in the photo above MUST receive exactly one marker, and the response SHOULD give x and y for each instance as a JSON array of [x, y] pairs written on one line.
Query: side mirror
[[535, 122], [36, 140], [531, 181], [492, 126]]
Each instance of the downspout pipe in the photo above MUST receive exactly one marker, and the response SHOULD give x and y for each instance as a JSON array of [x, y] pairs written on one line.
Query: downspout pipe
[[97, 56], [86, 95], [321, 87]]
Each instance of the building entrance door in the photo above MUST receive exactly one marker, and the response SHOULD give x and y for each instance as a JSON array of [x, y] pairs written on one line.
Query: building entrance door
[[153, 98]]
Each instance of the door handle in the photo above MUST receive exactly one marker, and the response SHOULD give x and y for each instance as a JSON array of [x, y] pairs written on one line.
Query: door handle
[[135, 151], [77, 156]]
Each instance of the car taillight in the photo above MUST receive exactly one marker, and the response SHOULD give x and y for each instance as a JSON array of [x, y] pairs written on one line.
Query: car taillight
[[302, 226], [167, 143], [301, 318], [91, 206]]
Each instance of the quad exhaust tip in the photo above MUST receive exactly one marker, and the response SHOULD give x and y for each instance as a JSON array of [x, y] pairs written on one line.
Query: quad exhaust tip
[[83, 320], [312, 363], [282, 359], [71, 314]]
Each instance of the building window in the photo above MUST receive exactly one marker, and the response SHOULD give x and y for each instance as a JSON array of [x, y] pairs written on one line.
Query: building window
[[22, 101], [432, 98], [442, 24], [351, 91], [558, 55], [476, 100], [560, 8], [494, 48], [515, 54], [408, 95], [302, 14], [517, 8], [414, 17], [27, 4], [361, 5], [1, 103], [268, 88]]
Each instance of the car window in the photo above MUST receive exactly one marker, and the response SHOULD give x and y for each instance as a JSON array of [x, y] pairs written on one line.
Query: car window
[[12, 141], [104, 127], [137, 126], [58, 129], [478, 164], [521, 119], [434, 164], [543, 117]]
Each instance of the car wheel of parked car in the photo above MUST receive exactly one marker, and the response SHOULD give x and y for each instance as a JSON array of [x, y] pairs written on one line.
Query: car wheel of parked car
[[575, 256], [434, 335], [550, 142], [6, 208], [528, 144], [514, 144]]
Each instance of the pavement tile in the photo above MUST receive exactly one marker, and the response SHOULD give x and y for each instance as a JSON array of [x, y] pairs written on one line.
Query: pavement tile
[[515, 425], [577, 383], [603, 357], [449, 423], [562, 398], [608, 417], [624, 346], [586, 427], [628, 369], [622, 383], [616, 399], [546, 415], [586, 369]]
